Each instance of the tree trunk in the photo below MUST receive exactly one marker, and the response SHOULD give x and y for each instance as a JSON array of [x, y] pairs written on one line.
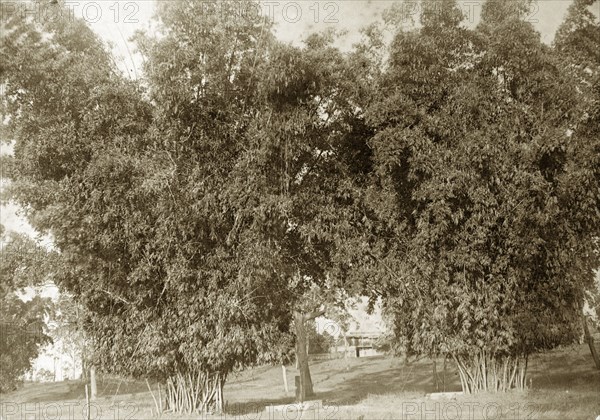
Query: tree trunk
[[444, 374], [84, 371], [590, 341], [439, 379], [305, 387]]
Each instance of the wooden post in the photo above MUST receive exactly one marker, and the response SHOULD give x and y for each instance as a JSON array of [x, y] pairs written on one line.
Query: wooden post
[[345, 350], [93, 383], [297, 385], [590, 340], [87, 402], [284, 373]]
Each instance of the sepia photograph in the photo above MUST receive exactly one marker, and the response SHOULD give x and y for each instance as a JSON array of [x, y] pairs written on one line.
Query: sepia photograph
[[299, 210]]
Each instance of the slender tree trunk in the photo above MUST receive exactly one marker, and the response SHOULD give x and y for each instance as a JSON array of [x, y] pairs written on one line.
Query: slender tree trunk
[[590, 341], [84, 362], [439, 379], [435, 376], [478, 372], [84, 370], [195, 392], [444, 374]]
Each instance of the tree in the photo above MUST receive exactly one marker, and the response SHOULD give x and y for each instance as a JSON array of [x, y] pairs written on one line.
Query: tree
[[294, 188], [319, 342], [578, 37], [483, 237], [24, 331], [68, 333], [578, 42], [262, 151], [170, 292]]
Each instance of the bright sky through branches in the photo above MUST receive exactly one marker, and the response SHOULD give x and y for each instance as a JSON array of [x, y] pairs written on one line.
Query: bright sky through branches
[[116, 20]]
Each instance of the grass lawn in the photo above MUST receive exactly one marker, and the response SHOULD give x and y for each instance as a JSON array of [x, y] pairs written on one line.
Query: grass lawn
[[564, 385]]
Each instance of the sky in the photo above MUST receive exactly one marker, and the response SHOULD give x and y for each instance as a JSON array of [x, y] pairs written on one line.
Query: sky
[[117, 20]]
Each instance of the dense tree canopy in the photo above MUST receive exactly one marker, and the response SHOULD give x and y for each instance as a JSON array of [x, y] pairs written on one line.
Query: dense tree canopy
[[202, 211], [185, 211], [487, 205]]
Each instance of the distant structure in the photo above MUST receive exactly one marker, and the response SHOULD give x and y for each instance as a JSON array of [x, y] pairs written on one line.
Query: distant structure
[[361, 335], [365, 331], [363, 343]]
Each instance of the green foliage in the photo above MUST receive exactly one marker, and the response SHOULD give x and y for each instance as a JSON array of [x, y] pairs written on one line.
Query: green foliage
[[185, 213], [45, 375], [319, 342], [454, 173], [579, 34], [484, 207], [23, 330]]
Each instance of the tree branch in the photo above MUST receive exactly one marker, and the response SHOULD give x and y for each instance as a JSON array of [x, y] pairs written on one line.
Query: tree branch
[[312, 315], [116, 297]]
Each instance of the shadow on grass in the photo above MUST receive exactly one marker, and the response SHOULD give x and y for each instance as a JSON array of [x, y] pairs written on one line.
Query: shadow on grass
[[75, 390], [558, 377], [569, 369], [417, 378], [245, 408], [48, 392], [349, 387]]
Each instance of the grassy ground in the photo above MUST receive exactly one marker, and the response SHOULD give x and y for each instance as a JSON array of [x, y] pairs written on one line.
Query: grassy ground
[[564, 385]]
